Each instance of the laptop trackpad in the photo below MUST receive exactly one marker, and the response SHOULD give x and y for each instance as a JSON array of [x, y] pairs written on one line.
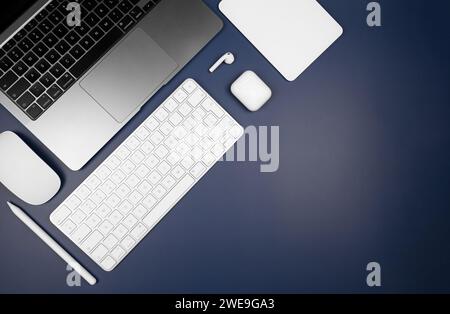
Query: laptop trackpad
[[129, 75]]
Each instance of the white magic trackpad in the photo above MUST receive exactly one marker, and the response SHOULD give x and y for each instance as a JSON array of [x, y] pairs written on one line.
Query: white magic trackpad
[[131, 73]]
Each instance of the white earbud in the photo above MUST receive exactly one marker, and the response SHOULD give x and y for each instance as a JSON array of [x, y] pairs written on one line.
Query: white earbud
[[228, 58]]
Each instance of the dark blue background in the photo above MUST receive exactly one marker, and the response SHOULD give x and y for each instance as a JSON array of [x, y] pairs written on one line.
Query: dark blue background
[[364, 176]]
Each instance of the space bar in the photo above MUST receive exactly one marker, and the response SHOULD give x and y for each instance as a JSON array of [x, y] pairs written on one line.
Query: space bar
[[96, 52], [163, 207]]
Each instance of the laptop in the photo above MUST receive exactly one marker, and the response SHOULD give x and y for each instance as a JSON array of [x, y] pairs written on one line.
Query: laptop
[[75, 87]]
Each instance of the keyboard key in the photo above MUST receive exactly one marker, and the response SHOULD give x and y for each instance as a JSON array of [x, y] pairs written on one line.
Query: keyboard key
[[15, 54], [52, 56], [45, 26], [92, 19], [61, 31], [108, 263], [125, 6], [42, 66], [6, 63], [20, 35], [80, 233], [40, 50], [110, 241], [67, 61], [8, 80], [136, 13], [44, 101], [59, 215], [101, 10], [55, 92], [25, 45], [82, 30], [62, 47], [34, 111], [96, 33], [30, 58], [50, 40], [66, 81], [118, 253], [115, 15], [32, 75], [35, 35], [25, 100], [91, 242], [72, 38], [56, 17], [37, 89], [47, 80], [106, 24], [18, 88], [99, 253], [87, 42], [77, 52], [57, 70], [9, 45], [127, 243], [126, 23], [172, 197]]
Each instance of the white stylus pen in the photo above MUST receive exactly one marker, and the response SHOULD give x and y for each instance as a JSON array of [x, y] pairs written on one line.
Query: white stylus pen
[[52, 244]]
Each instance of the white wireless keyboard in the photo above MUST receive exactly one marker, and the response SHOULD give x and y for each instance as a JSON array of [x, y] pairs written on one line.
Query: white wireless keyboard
[[126, 196]]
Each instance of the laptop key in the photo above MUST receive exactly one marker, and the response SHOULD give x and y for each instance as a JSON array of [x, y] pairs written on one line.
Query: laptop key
[[57, 70], [20, 35], [87, 42], [47, 80], [82, 30], [35, 35], [67, 61], [25, 45], [50, 40], [9, 45], [115, 15], [34, 111], [5, 63], [44, 101], [40, 50], [96, 33], [66, 81], [92, 19], [77, 52], [45, 26], [37, 89], [32, 75], [25, 100], [52, 56], [18, 88], [20, 68], [8, 80], [55, 92], [60, 31], [126, 23], [136, 13], [101, 10], [15, 54], [42, 66], [96, 52], [106, 24], [30, 59], [125, 6], [62, 47]]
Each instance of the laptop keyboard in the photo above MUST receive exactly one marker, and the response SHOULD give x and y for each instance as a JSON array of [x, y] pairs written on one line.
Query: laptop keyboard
[[46, 57]]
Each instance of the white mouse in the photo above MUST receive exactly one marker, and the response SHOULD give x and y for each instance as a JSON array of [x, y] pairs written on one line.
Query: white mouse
[[24, 173]]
